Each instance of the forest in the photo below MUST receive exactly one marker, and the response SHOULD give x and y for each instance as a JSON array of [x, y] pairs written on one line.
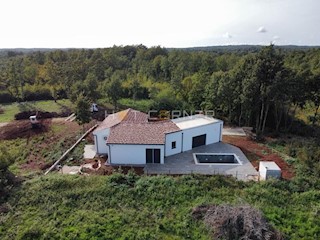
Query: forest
[[258, 87]]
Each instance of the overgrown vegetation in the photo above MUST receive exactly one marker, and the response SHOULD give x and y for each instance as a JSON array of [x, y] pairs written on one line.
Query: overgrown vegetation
[[33, 154], [140, 207]]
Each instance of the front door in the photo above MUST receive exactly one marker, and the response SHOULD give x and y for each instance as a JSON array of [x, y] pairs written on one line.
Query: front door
[[199, 140], [152, 155]]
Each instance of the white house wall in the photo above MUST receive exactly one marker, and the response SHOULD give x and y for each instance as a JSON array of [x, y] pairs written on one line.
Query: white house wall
[[173, 137], [100, 141], [132, 154], [213, 134]]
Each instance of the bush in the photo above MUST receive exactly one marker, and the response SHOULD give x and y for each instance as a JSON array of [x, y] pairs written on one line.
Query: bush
[[6, 97], [35, 92]]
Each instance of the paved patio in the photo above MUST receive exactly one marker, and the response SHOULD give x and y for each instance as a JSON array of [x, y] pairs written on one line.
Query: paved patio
[[233, 132], [183, 163], [89, 152]]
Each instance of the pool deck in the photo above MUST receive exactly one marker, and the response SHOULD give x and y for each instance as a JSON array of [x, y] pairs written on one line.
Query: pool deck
[[183, 163]]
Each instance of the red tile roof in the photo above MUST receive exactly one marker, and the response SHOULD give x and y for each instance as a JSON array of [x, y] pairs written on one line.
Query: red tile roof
[[129, 115], [141, 133]]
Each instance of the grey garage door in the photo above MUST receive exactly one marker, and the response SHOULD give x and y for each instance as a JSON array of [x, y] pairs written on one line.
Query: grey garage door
[[199, 140]]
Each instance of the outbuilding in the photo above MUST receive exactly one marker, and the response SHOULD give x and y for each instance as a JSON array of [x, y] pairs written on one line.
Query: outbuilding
[[269, 170]]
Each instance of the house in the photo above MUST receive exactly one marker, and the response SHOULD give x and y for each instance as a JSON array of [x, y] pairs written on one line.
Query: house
[[128, 137]]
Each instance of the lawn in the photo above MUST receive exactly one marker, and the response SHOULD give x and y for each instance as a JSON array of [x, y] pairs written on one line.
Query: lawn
[[9, 110], [143, 105]]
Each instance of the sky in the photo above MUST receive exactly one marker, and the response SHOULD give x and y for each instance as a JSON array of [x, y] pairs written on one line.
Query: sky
[[166, 23]]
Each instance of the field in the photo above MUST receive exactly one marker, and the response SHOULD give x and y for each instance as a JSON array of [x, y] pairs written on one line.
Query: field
[[142, 207], [9, 110]]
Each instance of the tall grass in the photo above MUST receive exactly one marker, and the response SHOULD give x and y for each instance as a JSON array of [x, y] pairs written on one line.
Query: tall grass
[[147, 207]]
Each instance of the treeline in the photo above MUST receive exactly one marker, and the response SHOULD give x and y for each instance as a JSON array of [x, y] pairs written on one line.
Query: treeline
[[259, 88]]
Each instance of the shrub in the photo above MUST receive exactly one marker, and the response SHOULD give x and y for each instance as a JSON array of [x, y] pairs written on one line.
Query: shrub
[[6, 97], [34, 93]]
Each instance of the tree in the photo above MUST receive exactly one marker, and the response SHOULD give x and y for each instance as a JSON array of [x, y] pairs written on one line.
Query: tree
[[91, 87], [263, 84], [113, 88], [196, 93], [82, 110], [314, 96]]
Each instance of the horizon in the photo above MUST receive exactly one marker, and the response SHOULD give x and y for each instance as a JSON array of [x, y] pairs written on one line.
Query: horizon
[[191, 47]]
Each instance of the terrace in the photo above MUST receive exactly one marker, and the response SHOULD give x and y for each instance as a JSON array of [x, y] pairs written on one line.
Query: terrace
[[184, 163]]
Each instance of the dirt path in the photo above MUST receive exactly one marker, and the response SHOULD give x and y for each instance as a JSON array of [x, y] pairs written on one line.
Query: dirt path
[[3, 124]]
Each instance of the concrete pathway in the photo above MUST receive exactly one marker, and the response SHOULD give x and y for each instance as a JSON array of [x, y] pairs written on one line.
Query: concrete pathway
[[233, 132], [70, 169], [183, 163], [89, 152]]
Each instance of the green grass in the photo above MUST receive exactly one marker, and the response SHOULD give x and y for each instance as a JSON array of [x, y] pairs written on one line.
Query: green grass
[[141, 105], [50, 106], [145, 207]]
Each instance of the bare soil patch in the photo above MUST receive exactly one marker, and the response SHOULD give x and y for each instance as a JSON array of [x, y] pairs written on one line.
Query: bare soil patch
[[41, 115], [22, 129], [109, 169], [256, 153]]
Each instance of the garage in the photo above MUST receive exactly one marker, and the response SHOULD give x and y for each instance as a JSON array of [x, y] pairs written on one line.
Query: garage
[[198, 141]]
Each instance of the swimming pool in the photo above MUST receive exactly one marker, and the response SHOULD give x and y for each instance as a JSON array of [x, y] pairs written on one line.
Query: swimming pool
[[216, 159]]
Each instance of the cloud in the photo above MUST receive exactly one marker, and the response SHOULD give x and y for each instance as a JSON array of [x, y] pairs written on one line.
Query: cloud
[[275, 39], [262, 29], [227, 35]]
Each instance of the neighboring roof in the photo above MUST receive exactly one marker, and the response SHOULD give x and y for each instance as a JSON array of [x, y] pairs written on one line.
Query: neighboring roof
[[194, 121], [270, 165], [129, 115], [141, 133]]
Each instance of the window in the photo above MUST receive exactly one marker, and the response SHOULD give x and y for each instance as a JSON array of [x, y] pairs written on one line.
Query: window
[[173, 145]]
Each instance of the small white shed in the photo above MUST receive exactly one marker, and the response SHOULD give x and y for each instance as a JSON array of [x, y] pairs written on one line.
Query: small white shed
[[269, 170]]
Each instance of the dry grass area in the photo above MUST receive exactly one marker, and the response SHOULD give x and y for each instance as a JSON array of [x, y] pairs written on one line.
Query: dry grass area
[[236, 222], [256, 152]]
